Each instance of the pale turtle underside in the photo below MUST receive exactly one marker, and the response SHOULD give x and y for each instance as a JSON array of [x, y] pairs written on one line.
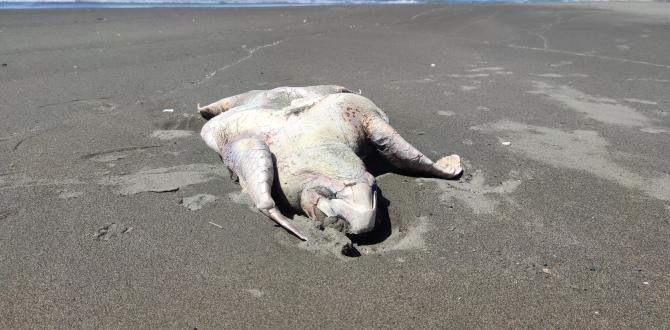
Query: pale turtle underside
[[307, 144]]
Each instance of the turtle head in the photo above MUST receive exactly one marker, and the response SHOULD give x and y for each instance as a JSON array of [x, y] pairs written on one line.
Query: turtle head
[[352, 204]]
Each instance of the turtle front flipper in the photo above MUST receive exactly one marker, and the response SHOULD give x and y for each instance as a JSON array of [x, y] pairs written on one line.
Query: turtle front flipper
[[404, 156], [261, 97], [213, 109], [251, 160]]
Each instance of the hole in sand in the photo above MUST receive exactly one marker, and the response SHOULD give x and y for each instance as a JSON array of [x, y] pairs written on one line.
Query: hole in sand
[[393, 230]]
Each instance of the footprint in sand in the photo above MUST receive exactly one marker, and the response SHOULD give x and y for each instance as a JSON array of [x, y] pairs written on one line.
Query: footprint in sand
[[111, 231], [4, 214], [103, 107]]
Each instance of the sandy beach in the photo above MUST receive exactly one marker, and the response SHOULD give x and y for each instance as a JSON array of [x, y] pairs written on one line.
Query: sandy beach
[[114, 214]]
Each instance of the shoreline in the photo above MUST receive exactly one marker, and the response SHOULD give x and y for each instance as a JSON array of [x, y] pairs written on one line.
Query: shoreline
[[196, 5]]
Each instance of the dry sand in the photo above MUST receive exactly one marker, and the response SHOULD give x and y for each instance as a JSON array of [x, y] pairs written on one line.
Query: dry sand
[[114, 214]]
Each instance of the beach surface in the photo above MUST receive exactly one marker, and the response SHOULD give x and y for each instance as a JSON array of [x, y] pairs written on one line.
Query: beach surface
[[114, 213]]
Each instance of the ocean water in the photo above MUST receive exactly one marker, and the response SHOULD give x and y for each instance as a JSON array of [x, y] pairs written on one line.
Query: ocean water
[[22, 4]]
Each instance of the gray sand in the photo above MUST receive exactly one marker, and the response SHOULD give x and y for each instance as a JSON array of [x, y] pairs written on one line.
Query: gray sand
[[565, 226]]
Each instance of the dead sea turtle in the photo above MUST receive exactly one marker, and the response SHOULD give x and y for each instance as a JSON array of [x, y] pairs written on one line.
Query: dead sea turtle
[[308, 142]]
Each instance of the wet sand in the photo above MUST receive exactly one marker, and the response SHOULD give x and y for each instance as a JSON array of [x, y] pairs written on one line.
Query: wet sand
[[114, 214]]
